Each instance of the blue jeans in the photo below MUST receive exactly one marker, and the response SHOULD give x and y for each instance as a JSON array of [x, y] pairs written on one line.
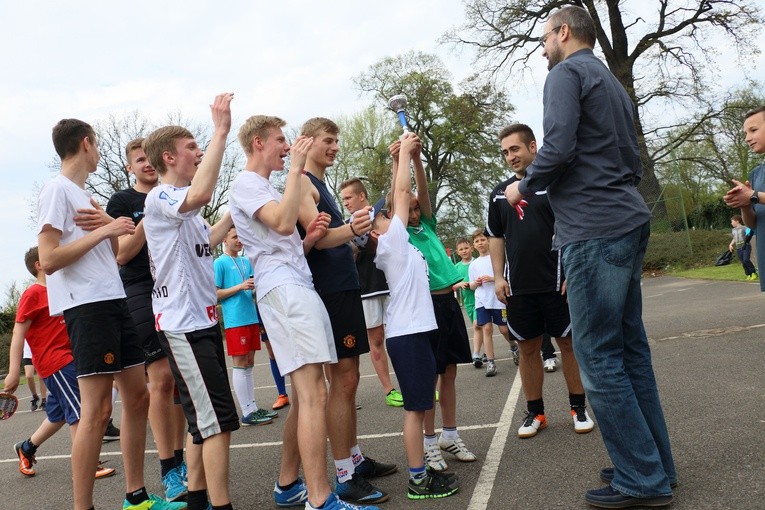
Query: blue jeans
[[610, 344]]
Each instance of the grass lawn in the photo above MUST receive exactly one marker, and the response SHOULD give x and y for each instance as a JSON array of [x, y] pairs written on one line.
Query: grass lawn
[[731, 272]]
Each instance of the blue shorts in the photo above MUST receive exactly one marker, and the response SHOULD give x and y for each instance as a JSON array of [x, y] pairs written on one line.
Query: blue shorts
[[494, 315], [63, 396], [415, 367]]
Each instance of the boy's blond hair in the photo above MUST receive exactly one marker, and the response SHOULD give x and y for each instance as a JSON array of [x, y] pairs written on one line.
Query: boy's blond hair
[[163, 140], [257, 125], [314, 126]]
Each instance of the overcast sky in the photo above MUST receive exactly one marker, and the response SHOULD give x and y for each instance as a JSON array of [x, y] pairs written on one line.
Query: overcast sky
[[295, 59]]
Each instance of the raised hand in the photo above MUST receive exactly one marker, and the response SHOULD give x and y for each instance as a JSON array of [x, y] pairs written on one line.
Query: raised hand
[[395, 150], [221, 112], [299, 152]]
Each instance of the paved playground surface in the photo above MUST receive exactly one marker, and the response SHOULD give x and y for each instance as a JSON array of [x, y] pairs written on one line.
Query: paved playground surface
[[708, 341]]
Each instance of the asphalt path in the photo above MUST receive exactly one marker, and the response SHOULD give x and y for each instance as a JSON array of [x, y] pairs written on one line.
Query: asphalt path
[[707, 341]]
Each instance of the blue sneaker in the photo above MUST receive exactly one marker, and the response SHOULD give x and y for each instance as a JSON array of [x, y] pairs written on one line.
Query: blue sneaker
[[184, 473], [335, 503], [358, 490], [296, 496], [173, 484]]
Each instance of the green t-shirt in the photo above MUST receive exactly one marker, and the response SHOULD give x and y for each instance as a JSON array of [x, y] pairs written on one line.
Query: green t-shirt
[[468, 296], [441, 269]]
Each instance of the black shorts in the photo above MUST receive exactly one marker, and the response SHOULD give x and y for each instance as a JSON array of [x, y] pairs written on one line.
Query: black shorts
[[139, 305], [26, 362], [531, 315], [346, 314], [450, 341], [415, 367], [103, 337], [199, 368]]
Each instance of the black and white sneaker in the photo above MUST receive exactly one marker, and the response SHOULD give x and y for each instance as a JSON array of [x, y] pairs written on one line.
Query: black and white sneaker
[[112, 433], [358, 490]]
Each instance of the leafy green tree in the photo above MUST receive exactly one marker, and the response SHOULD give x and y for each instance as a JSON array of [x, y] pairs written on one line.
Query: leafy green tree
[[662, 53], [458, 126]]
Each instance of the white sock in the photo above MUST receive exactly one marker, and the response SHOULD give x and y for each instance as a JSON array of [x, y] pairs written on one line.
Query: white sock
[[356, 455], [344, 468], [431, 440], [250, 386], [239, 380], [450, 434]]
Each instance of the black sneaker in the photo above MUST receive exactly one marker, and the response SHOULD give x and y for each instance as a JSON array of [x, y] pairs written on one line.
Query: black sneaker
[[370, 468], [358, 490], [112, 433], [435, 485], [43, 402], [33, 403]]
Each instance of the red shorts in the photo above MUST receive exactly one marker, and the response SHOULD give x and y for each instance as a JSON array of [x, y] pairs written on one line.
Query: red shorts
[[241, 340]]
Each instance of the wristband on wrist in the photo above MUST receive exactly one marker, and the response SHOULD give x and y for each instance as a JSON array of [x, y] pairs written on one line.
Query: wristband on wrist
[[353, 230]]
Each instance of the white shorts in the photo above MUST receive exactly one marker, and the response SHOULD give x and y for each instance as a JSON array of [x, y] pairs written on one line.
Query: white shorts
[[374, 310], [298, 327]]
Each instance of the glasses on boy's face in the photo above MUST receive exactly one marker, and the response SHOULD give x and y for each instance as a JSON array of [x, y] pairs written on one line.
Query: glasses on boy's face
[[543, 39]]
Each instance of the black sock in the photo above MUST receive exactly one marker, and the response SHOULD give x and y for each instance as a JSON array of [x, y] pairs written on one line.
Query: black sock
[[536, 406], [137, 497], [227, 506], [167, 465], [576, 399], [197, 500], [29, 447], [288, 486], [178, 457]]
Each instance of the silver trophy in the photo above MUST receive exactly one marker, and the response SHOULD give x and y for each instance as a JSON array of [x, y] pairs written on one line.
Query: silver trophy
[[397, 103]]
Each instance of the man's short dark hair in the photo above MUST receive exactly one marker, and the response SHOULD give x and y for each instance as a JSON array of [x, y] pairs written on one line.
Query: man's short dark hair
[[527, 135], [579, 22], [761, 109], [68, 134]]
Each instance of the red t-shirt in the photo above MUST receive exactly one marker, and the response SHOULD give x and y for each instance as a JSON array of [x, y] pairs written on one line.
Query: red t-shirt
[[47, 337]]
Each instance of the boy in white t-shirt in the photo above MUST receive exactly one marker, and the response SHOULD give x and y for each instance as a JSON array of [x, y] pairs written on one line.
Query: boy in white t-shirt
[[409, 319], [78, 242], [184, 297], [488, 309], [298, 324]]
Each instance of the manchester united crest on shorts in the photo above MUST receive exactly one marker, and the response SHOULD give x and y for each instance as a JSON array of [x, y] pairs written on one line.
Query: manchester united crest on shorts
[[109, 358], [349, 341]]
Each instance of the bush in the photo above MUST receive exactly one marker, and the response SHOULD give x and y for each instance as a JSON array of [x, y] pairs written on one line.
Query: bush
[[670, 249]]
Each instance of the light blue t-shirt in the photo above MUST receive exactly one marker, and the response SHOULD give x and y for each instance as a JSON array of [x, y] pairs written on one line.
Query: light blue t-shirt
[[238, 309]]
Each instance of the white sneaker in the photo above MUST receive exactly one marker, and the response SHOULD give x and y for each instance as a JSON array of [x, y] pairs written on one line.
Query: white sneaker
[[532, 424], [582, 421], [433, 458], [457, 448], [491, 369], [550, 365]]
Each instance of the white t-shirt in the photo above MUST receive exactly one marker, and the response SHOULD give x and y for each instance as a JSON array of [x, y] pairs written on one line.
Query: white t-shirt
[[485, 297], [275, 259], [184, 295], [93, 277], [410, 309], [27, 351]]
